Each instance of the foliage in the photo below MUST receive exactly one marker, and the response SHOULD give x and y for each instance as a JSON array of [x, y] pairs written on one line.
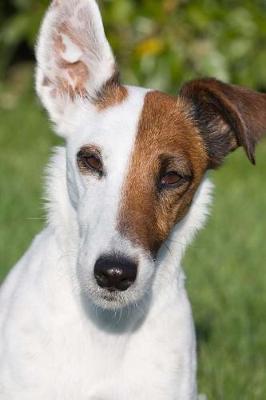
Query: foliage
[[161, 43]]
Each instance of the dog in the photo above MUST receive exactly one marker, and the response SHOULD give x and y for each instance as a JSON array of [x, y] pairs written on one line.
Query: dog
[[97, 307]]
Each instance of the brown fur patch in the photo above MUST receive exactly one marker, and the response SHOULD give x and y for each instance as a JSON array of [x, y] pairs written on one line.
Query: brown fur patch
[[79, 74], [59, 46], [166, 135], [46, 81], [111, 94]]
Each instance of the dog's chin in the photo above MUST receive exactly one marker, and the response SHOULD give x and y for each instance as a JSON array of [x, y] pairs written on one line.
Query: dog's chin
[[114, 300]]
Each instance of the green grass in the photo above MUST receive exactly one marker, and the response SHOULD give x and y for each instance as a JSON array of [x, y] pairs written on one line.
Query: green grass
[[226, 265], [25, 145]]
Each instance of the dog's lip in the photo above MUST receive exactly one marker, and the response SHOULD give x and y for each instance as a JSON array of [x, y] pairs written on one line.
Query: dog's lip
[[111, 289], [109, 295]]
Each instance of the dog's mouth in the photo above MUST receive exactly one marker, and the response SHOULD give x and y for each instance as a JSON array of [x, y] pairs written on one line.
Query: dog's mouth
[[110, 295], [111, 299]]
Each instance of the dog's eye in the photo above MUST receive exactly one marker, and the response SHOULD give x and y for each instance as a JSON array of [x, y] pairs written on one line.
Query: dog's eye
[[90, 161], [172, 180]]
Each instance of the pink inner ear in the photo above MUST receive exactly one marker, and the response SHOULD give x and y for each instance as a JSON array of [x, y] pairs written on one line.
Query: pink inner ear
[[75, 36], [59, 46], [72, 72], [79, 73]]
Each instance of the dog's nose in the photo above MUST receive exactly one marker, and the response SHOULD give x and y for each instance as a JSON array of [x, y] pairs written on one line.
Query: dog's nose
[[115, 272]]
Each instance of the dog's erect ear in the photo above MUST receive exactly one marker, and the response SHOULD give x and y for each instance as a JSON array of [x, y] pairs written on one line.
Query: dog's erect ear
[[74, 59], [227, 117]]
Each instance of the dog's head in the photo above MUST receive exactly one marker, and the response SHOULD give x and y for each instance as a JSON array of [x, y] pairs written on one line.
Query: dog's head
[[135, 157]]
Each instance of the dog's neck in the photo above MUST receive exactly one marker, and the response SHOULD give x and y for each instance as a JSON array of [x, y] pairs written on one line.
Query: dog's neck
[[62, 221]]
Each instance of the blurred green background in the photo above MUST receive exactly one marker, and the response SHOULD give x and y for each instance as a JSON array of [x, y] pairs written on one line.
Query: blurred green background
[[161, 44]]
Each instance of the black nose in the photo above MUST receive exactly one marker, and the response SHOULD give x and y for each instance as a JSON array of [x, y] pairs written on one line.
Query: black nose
[[115, 272]]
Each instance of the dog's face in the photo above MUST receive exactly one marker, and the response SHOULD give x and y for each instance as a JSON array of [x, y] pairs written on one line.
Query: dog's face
[[135, 157], [133, 172]]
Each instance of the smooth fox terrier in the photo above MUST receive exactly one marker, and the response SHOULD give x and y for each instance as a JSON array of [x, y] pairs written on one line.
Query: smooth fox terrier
[[97, 308]]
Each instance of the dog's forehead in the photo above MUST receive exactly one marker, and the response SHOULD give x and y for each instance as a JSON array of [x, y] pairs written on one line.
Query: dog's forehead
[[112, 129], [155, 119]]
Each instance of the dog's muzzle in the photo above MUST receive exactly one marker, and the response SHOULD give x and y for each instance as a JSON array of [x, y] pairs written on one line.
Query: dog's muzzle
[[115, 272]]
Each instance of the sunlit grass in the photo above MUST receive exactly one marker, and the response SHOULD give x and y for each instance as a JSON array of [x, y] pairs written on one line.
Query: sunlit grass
[[226, 265], [25, 144], [226, 268]]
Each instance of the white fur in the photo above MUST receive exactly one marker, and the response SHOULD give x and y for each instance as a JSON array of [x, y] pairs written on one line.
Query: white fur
[[59, 337]]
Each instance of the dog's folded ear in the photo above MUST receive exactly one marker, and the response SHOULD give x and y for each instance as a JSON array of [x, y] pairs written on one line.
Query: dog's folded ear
[[227, 117], [74, 59]]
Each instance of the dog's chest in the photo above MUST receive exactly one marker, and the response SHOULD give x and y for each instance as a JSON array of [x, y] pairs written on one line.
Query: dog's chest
[[89, 364], [59, 351], [74, 360]]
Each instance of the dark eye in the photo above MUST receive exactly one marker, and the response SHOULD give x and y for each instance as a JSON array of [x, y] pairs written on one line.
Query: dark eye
[[90, 162], [172, 180]]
